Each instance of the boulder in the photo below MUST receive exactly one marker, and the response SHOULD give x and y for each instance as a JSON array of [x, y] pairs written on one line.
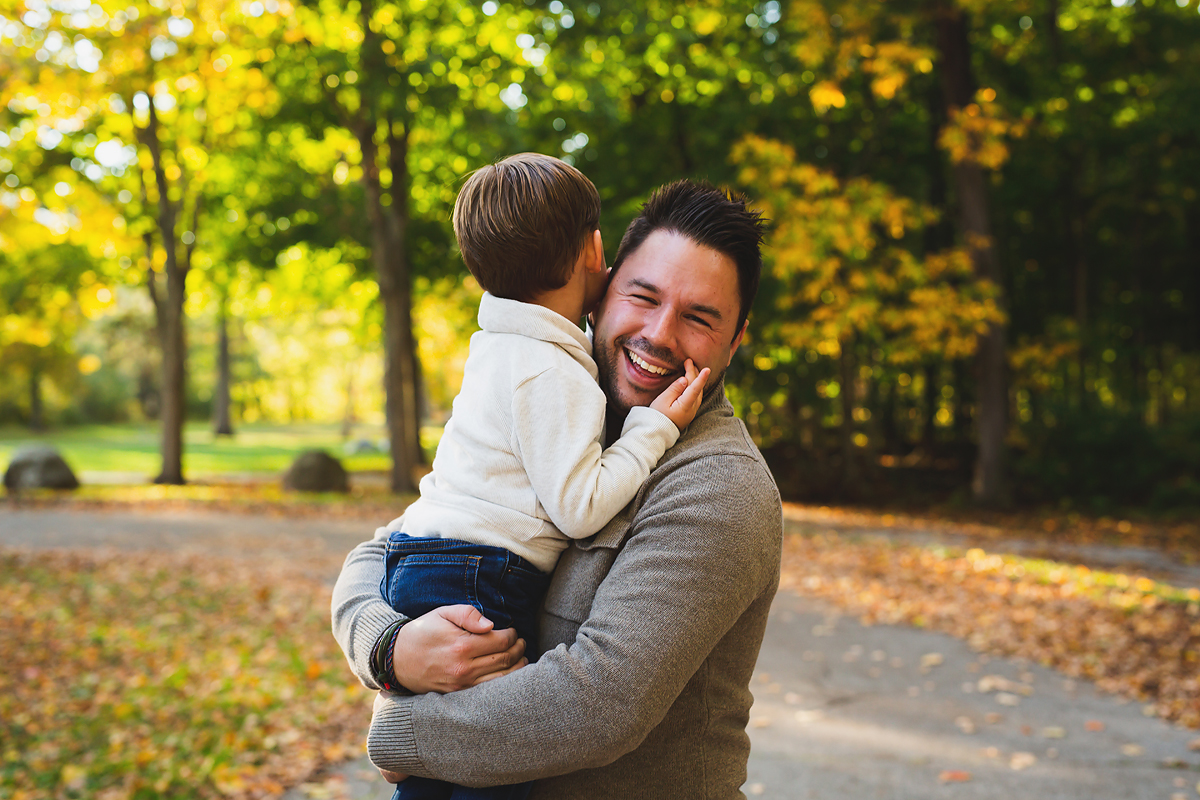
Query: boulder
[[316, 471], [39, 467]]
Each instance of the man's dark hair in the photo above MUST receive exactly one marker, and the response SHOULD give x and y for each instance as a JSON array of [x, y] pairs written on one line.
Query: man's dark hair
[[522, 222], [710, 217]]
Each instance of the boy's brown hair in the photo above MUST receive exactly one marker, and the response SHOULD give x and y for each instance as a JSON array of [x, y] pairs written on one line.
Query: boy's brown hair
[[522, 222]]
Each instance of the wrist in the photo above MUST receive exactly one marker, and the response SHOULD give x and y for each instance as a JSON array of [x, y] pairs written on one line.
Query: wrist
[[382, 658]]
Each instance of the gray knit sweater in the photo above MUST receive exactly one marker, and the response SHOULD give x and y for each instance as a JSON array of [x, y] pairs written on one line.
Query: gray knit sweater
[[650, 632]]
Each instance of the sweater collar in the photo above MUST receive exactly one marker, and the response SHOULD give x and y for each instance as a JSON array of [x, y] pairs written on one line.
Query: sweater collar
[[500, 315]]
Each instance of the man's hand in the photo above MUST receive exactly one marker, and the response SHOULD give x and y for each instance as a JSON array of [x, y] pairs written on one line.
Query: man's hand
[[452, 648], [681, 400]]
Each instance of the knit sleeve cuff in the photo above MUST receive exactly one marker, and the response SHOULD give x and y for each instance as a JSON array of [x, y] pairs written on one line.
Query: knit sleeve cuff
[[652, 424], [391, 741]]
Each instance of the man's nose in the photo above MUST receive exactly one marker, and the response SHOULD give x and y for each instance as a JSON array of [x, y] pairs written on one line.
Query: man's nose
[[661, 328]]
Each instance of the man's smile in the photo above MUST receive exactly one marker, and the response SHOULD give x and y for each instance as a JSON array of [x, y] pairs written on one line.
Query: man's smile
[[646, 366]]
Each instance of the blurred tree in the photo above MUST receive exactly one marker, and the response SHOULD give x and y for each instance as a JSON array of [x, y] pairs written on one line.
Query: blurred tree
[[54, 272], [845, 280], [401, 93], [140, 94]]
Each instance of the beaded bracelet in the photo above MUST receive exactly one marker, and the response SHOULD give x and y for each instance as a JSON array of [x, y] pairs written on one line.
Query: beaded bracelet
[[382, 655]]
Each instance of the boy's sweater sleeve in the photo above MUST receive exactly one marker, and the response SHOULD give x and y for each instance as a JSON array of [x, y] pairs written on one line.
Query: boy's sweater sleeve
[[703, 549], [558, 419]]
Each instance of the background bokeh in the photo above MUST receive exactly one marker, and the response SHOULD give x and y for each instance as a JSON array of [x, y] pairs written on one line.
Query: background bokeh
[[239, 211]]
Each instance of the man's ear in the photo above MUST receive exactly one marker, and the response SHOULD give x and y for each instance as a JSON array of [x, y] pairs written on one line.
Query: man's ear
[[737, 340]]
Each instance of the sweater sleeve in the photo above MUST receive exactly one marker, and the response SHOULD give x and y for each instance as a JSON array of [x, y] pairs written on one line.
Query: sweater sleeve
[[702, 549], [359, 612], [558, 417]]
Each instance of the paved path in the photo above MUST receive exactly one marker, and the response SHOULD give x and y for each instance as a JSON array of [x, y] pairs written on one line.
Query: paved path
[[841, 710]]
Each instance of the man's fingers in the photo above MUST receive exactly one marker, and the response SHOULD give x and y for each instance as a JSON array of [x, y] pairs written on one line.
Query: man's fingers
[[492, 662], [466, 617], [491, 675]]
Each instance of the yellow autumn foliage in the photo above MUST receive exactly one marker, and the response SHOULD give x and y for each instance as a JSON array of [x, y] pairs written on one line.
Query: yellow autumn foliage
[[839, 258], [980, 132]]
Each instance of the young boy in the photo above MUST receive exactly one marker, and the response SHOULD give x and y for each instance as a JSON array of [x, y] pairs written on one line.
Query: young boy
[[520, 467]]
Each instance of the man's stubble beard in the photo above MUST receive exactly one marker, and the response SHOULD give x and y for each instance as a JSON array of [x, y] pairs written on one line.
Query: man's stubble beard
[[606, 366]]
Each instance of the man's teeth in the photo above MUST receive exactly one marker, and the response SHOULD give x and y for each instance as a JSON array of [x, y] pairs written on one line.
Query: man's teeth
[[646, 366]]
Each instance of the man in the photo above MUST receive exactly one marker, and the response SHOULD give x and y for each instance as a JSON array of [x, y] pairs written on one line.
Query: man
[[651, 628]]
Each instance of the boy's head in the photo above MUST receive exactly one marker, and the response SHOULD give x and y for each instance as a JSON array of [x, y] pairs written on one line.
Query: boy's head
[[522, 223]]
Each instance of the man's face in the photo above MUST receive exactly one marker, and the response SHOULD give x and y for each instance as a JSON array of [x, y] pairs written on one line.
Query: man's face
[[671, 300]]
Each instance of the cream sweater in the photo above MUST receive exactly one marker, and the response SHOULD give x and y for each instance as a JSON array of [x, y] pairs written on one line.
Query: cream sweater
[[520, 465]]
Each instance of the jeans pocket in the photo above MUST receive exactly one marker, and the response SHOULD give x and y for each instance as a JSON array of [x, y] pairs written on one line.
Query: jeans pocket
[[420, 583]]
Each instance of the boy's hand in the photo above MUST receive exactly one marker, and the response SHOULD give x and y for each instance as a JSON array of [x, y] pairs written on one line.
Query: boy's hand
[[681, 400], [452, 648]]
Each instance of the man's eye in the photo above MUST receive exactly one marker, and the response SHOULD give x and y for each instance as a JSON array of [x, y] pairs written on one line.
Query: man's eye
[[701, 321], [643, 298]]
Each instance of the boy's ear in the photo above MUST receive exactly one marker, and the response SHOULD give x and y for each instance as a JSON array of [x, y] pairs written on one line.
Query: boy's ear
[[594, 253]]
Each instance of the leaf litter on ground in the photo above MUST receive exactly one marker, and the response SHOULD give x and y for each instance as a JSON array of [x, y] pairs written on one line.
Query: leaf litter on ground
[[168, 675], [1130, 635]]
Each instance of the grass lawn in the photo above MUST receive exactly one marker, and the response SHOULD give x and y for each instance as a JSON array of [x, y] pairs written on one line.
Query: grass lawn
[[262, 448]]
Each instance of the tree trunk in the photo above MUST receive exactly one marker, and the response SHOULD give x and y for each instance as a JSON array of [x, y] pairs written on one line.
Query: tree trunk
[[348, 418], [888, 428], [930, 407], [962, 414], [849, 457], [388, 230], [1079, 275], [36, 414], [222, 424], [171, 317], [970, 184]]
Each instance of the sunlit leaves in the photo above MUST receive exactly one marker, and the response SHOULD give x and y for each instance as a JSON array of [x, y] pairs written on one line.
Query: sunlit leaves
[[979, 132], [838, 249]]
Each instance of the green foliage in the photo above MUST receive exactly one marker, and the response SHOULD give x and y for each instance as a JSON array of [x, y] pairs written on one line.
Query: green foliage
[[284, 132], [1107, 459]]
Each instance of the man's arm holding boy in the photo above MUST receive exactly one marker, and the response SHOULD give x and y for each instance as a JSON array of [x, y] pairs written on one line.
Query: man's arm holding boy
[[447, 649], [676, 588]]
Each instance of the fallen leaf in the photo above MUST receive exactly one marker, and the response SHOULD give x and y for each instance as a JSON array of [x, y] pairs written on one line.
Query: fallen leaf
[[756, 789], [1054, 732], [1095, 726], [760, 722], [1132, 750], [1194, 745], [1119, 631], [1007, 699], [932, 660], [965, 724], [954, 776], [1021, 760]]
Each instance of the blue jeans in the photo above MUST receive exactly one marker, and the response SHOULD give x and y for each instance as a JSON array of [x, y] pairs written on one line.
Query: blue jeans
[[424, 574]]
